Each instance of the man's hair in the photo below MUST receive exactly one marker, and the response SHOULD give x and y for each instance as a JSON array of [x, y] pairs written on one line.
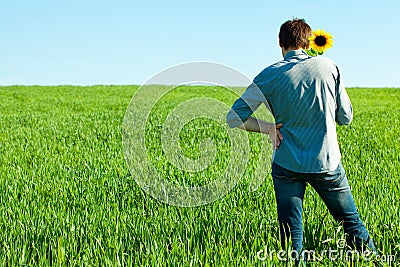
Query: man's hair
[[294, 34]]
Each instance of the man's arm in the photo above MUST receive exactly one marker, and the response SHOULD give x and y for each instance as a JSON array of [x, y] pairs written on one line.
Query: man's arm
[[244, 107], [256, 125], [240, 115], [344, 110]]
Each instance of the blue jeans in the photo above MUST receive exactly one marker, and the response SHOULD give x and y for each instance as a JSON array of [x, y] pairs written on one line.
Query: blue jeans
[[334, 190]]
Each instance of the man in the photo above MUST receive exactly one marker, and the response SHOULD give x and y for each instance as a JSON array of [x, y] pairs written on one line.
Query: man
[[307, 98]]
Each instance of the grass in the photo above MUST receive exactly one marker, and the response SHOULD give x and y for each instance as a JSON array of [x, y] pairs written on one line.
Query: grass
[[68, 198]]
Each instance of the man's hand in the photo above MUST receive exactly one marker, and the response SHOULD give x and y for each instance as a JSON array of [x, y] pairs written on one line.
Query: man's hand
[[255, 125], [278, 136]]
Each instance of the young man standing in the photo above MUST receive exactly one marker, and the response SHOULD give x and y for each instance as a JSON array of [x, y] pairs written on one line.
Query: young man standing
[[307, 98]]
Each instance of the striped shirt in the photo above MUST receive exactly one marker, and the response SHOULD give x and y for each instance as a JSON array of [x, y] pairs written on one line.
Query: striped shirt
[[307, 95]]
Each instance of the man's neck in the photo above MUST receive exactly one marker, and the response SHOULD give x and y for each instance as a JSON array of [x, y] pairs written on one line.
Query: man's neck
[[285, 51]]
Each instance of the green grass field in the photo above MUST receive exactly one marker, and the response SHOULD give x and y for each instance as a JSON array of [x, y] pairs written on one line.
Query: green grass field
[[68, 199]]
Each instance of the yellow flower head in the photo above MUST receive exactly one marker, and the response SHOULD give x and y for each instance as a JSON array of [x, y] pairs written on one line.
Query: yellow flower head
[[320, 40]]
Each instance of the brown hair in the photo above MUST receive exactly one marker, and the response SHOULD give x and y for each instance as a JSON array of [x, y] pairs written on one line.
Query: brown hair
[[294, 34]]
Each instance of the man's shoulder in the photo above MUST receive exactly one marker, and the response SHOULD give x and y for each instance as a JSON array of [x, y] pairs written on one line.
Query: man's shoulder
[[321, 65], [323, 60], [266, 75], [271, 71], [276, 70]]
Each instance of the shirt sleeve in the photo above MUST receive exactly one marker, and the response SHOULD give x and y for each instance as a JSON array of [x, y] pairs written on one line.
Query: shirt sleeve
[[244, 106], [344, 109]]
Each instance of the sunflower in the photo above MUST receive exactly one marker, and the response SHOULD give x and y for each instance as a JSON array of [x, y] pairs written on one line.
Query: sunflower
[[320, 41]]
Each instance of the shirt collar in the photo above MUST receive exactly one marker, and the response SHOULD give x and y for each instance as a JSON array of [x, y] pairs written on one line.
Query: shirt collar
[[296, 53]]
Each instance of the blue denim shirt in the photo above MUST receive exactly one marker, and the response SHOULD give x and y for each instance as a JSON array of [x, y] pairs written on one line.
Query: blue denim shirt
[[307, 95]]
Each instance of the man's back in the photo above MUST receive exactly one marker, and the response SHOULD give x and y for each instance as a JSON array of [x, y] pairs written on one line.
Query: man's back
[[304, 93], [307, 96]]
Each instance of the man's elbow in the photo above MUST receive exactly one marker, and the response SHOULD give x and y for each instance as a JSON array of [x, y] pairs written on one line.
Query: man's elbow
[[344, 120], [233, 119]]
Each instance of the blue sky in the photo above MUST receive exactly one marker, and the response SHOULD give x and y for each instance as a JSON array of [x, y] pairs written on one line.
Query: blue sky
[[90, 42]]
